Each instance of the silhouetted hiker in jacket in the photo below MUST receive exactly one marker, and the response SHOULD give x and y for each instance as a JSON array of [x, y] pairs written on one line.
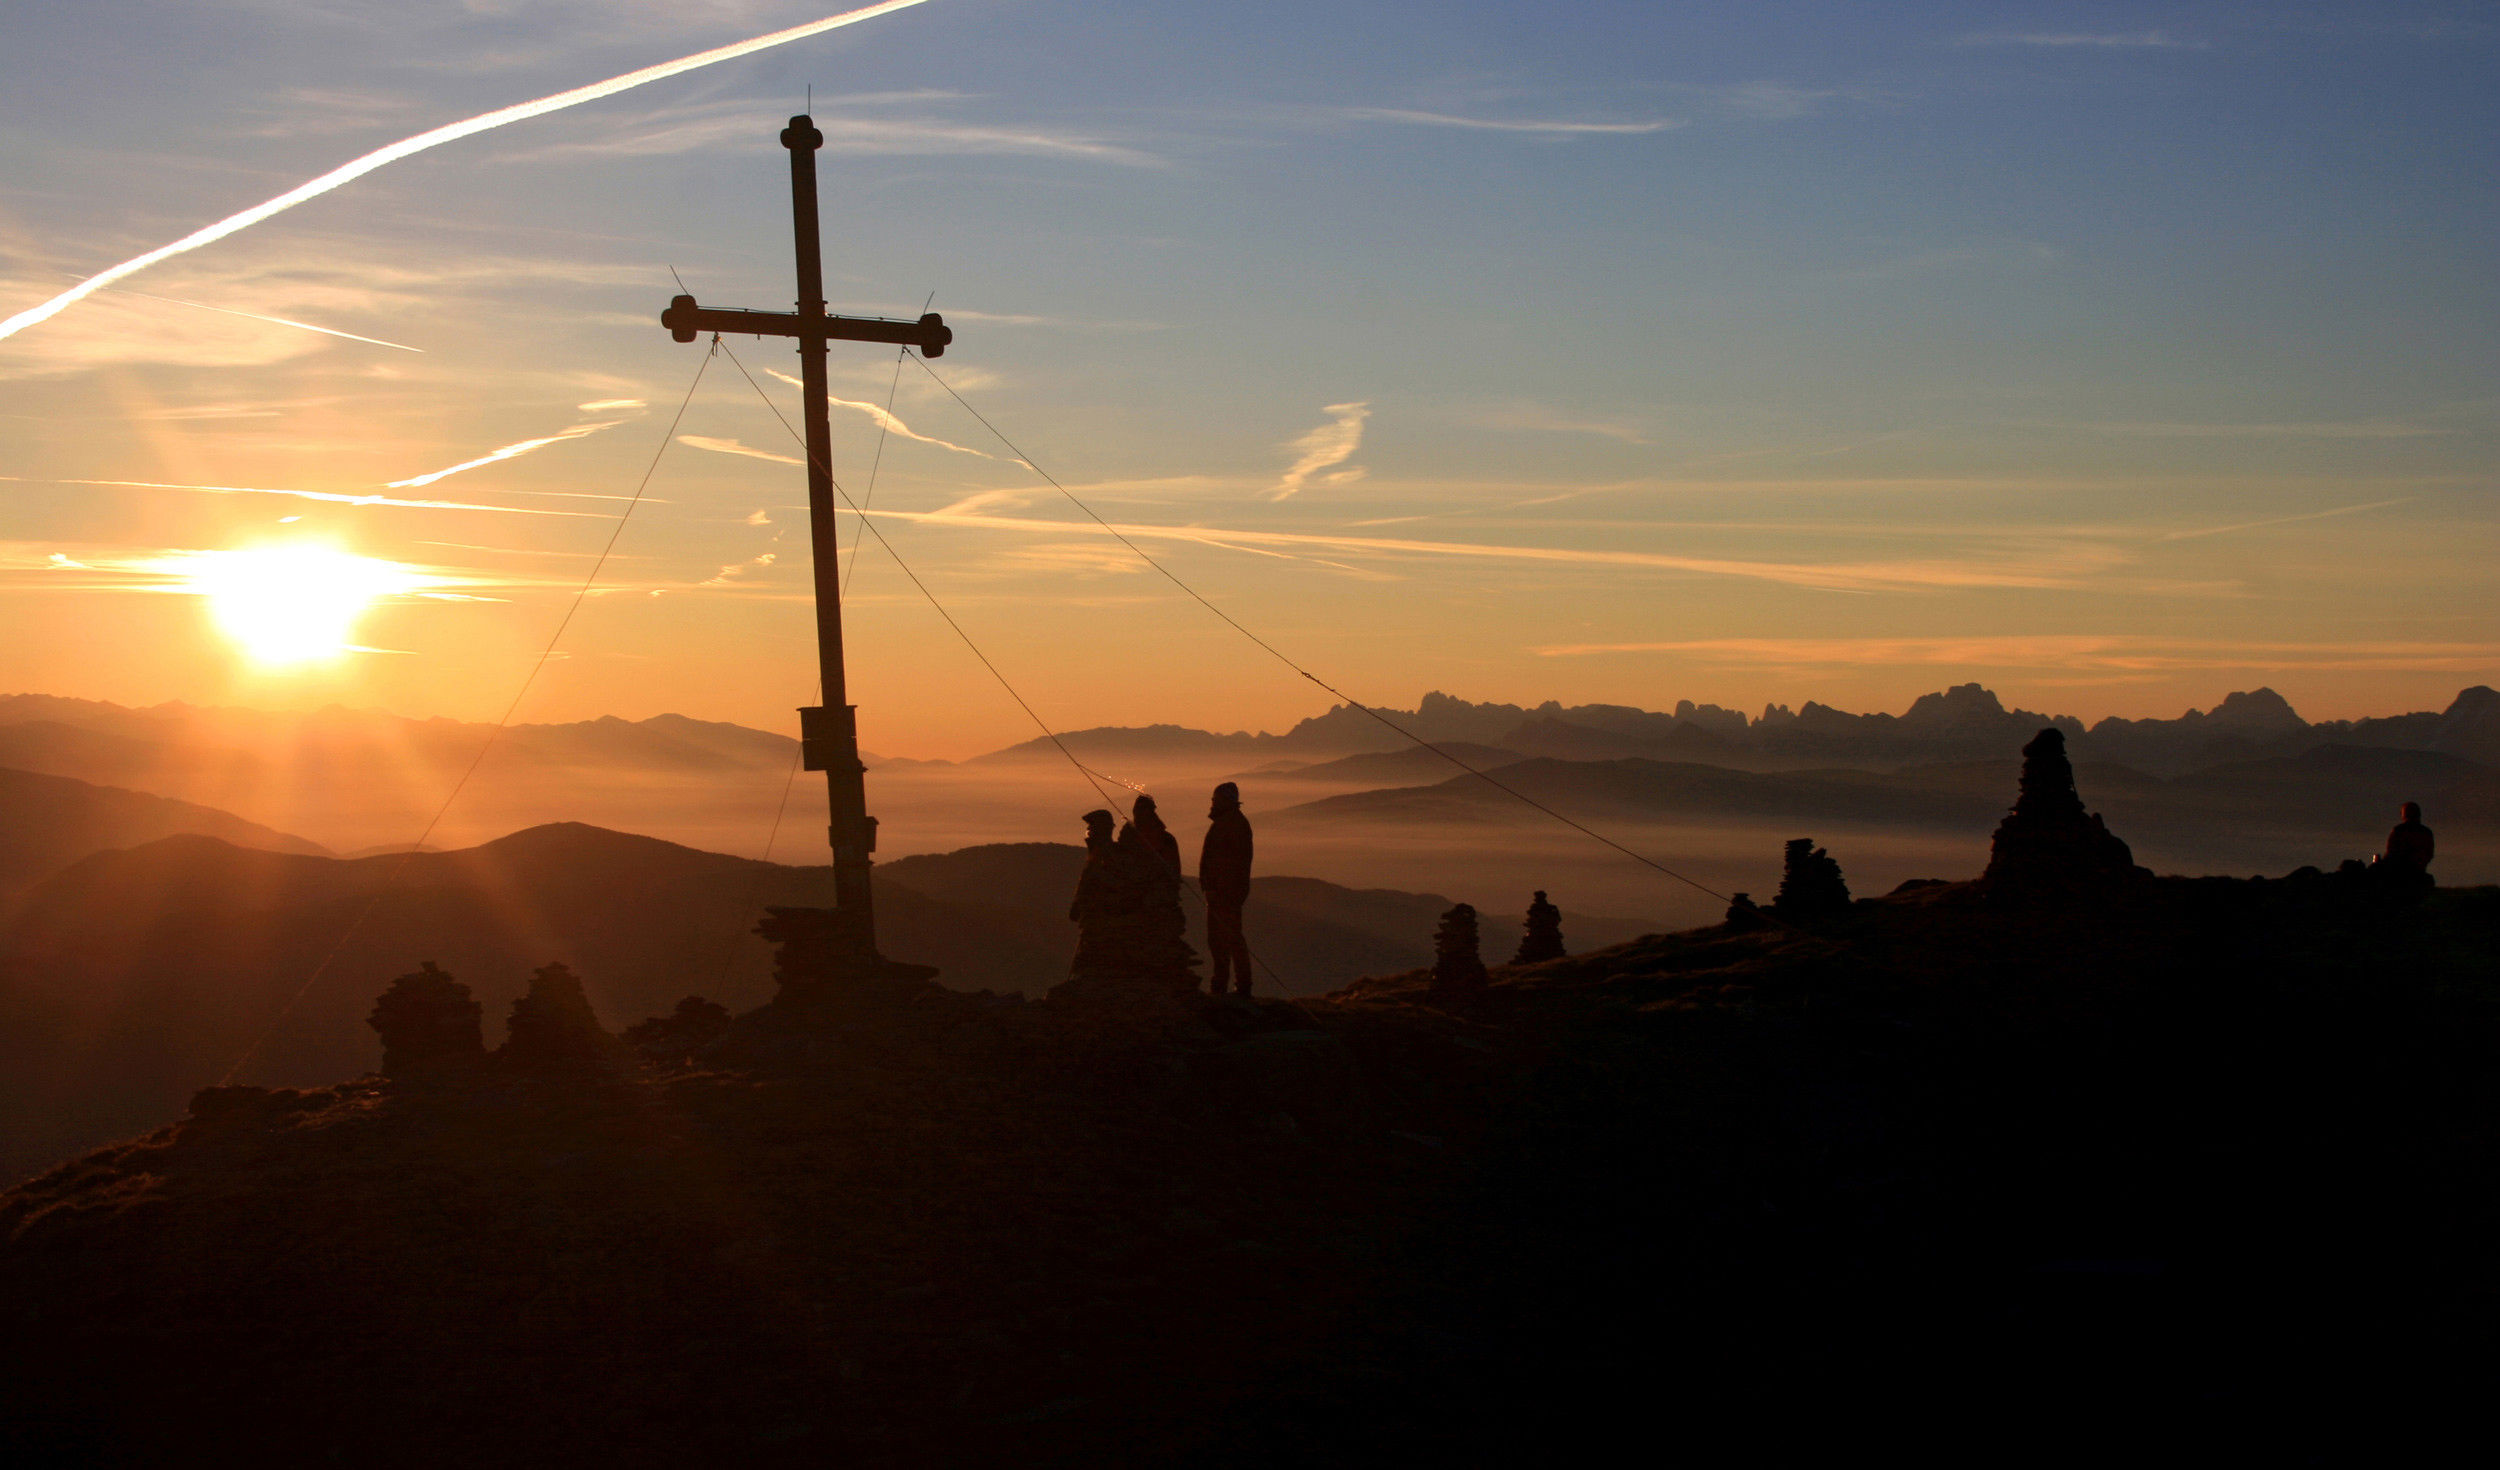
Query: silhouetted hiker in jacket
[[1224, 877]]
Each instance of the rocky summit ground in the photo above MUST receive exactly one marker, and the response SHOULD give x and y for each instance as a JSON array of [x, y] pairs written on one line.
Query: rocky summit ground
[[2214, 1158]]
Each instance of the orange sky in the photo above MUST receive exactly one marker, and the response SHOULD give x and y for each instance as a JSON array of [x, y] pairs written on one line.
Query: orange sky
[[1593, 368]]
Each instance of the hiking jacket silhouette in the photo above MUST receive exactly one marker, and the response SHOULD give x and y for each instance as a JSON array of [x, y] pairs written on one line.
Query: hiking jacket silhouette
[[1224, 859]]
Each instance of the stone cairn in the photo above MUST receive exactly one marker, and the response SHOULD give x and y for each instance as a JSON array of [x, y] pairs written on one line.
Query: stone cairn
[[1131, 931], [554, 1026], [677, 1036], [1457, 964], [427, 1020], [1544, 937], [2048, 846], [1743, 913], [1811, 887]]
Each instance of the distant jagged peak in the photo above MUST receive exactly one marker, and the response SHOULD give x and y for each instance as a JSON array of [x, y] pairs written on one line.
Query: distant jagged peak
[[1961, 704], [2259, 708], [2476, 702]]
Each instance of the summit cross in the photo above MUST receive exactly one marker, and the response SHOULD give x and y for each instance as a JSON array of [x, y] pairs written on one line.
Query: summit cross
[[828, 733]]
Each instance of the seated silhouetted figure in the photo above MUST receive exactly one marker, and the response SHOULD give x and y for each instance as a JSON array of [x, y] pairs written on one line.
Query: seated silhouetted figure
[[2406, 865], [1811, 886], [2048, 846], [1130, 928], [694, 1025], [1544, 937], [2409, 844], [1743, 913], [553, 1025], [1457, 963], [427, 1020]]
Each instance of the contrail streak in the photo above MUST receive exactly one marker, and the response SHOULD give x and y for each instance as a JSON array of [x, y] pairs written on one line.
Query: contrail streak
[[509, 451], [450, 132], [511, 510], [280, 320]]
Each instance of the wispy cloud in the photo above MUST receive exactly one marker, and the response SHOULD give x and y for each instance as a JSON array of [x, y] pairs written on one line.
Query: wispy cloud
[[332, 497], [1554, 127], [885, 419], [1536, 418], [2092, 652], [2314, 429], [2315, 515], [737, 125], [737, 571], [2106, 40], [2059, 566], [732, 446], [1331, 444], [509, 451]]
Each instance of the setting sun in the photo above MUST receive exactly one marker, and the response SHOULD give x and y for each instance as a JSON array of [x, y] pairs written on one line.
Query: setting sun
[[284, 605]]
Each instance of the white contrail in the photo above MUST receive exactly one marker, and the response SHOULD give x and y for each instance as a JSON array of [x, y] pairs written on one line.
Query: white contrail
[[509, 451], [449, 132]]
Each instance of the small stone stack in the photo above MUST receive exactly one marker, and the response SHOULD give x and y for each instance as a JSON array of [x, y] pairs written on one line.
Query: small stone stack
[[1457, 962], [1544, 937], [1811, 887], [2048, 846], [554, 1026], [694, 1025], [427, 1020]]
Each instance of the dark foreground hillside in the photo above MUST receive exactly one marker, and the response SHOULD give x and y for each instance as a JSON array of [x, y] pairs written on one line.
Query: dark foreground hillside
[[2214, 1163]]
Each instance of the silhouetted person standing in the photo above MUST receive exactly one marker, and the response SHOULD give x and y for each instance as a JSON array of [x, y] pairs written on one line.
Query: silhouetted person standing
[[2409, 846], [1224, 877]]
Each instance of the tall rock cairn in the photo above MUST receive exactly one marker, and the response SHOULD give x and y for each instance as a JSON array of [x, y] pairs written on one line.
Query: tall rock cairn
[[1457, 962], [2048, 846], [427, 1020], [1811, 886], [1543, 939], [554, 1026]]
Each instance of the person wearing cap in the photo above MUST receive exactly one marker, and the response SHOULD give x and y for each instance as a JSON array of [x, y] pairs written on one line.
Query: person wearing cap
[[1224, 877]]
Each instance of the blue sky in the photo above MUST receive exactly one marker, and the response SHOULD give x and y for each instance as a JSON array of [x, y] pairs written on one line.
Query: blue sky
[[2114, 355]]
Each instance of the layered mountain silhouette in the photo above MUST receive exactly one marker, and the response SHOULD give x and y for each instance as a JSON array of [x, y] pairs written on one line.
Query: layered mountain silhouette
[[133, 977], [1965, 722], [2322, 804], [49, 822]]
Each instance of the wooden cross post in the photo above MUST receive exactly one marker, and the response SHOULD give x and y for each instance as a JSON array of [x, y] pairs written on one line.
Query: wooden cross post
[[828, 733]]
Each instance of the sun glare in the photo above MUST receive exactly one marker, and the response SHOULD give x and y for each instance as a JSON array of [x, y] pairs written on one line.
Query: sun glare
[[284, 605]]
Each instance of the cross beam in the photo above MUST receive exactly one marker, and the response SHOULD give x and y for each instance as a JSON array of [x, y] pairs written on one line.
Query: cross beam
[[828, 733], [686, 321]]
